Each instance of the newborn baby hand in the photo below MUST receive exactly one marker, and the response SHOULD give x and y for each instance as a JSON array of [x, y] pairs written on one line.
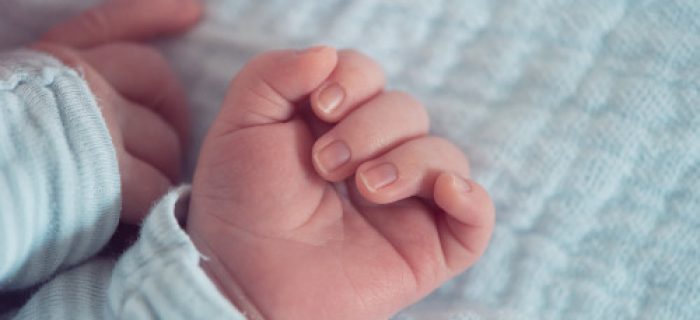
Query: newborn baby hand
[[318, 195], [140, 98]]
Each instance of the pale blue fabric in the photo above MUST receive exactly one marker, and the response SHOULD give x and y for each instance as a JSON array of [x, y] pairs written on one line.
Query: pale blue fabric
[[582, 118], [157, 278], [60, 203], [59, 179]]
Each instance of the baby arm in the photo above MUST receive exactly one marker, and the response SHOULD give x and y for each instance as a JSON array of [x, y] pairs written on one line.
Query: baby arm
[[88, 126], [59, 183]]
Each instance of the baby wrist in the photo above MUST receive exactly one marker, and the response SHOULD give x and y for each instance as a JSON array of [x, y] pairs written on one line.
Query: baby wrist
[[224, 281]]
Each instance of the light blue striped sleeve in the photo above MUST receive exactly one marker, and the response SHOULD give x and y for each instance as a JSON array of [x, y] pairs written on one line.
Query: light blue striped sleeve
[[59, 178], [157, 278], [59, 204]]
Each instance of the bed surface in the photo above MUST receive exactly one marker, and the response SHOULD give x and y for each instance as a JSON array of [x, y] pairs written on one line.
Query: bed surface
[[582, 118]]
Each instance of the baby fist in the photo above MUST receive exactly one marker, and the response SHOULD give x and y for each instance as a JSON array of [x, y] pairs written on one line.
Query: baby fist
[[318, 195]]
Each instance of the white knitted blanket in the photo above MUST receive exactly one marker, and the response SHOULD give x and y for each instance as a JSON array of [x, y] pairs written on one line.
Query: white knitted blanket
[[582, 118]]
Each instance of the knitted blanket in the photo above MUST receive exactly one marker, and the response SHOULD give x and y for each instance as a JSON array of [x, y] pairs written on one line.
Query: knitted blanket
[[582, 118]]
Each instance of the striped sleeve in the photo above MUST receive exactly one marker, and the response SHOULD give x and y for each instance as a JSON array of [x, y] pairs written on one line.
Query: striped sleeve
[[157, 278], [59, 178]]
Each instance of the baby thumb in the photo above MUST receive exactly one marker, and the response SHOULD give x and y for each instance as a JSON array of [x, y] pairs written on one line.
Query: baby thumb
[[269, 87]]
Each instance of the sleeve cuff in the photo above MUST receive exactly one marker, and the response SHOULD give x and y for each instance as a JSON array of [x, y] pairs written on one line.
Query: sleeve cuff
[[160, 276], [60, 192]]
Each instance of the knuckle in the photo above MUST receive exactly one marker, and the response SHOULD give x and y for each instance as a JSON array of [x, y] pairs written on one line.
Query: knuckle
[[443, 144], [448, 150], [162, 74], [410, 106], [148, 55], [439, 148], [367, 66], [355, 57], [95, 22], [170, 138], [159, 74], [191, 11], [404, 98]]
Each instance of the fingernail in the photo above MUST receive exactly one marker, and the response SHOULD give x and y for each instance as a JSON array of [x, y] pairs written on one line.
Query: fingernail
[[462, 184], [379, 176], [333, 156], [331, 97]]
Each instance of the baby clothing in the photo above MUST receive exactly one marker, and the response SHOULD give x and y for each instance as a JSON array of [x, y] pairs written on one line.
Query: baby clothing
[[60, 203]]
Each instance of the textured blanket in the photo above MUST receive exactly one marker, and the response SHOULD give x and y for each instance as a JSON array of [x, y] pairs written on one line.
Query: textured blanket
[[582, 118]]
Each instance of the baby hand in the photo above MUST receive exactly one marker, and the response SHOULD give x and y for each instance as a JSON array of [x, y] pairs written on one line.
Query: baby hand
[[140, 98], [318, 195]]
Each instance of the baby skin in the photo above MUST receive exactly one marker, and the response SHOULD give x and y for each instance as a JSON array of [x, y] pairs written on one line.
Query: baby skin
[[318, 195]]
